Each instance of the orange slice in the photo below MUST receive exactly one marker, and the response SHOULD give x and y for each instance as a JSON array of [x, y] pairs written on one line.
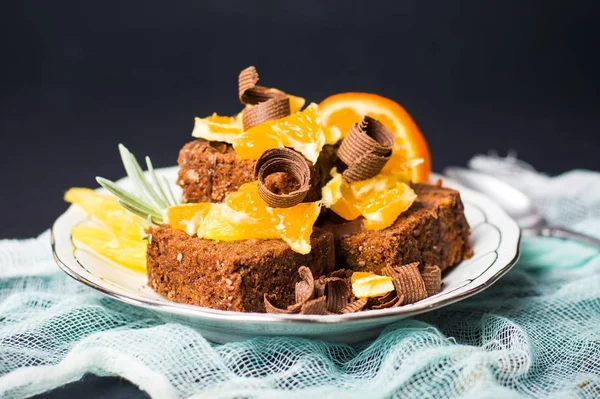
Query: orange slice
[[372, 285], [244, 215], [380, 199], [127, 252], [186, 216], [226, 128], [380, 209], [358, 275], [116, 234], [344, 109], [296, 103], [302, 131], [217, 128]]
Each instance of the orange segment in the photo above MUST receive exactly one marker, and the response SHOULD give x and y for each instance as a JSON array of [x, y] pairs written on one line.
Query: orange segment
[[380, 199], [371, 286], [296, 103], [127, 252], [186, 216], [382, 208], [226, 128], [117, 235], [106, 210], [217, 128], [302, 131], [358, 275], [244, 215], [344, 109]]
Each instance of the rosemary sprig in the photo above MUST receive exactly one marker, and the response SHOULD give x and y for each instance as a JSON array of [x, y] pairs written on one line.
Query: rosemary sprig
[[149, 201]]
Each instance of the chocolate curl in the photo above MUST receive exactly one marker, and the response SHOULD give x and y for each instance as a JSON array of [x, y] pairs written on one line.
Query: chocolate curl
[[392, 303], [270, 308], [366, 149], [355, 306], [407, 281], [341, 273], [305, 289], [315, 306], [337, 292], [320, 287], [432, 277], [282, 160], [275, 108], [262, 103]]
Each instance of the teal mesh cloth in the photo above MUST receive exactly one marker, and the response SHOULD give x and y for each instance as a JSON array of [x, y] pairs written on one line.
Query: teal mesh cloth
[[535, 333]]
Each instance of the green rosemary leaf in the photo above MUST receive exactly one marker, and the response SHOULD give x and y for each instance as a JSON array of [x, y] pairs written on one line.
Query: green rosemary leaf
[[135, 173], [130, 170], [157, 183], [149, 218], [146, 185], [125, 197], [171, 195]]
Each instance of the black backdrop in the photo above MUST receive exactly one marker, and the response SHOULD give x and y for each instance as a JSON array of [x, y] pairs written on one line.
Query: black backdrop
[[78, 77]]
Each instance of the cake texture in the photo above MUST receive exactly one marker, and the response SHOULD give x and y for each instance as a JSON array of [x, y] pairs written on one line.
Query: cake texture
[[210, 170], [230, 275], [433, 231]]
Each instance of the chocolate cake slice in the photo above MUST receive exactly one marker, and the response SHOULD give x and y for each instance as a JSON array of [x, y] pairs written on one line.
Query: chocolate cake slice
[[230, 275], [236, 275], [433, 231]]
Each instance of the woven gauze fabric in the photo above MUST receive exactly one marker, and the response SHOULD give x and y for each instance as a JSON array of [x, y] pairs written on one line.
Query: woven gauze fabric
[[535, 333]]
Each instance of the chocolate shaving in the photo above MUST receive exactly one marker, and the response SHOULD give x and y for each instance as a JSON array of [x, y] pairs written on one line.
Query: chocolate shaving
[[262, 103], [320, 287], [432, 277], [392, 303], [337, 292], [270, 308], [355, 306], [285, 160], [305, 287], [275, 108], [341, 273], [385, 298], [364, 168], [407, 281], [366, 149], [315, 306]]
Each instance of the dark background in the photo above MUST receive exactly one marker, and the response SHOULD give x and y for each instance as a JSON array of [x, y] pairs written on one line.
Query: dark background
[[78, 77]]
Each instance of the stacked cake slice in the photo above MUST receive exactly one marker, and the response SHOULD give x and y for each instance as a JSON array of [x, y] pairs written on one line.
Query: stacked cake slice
[[236, 275]]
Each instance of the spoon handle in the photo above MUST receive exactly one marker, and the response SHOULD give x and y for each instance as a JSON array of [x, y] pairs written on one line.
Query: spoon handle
[[561, 232]]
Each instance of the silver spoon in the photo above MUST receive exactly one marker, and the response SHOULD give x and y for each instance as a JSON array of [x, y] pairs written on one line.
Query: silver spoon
[[515, 203]]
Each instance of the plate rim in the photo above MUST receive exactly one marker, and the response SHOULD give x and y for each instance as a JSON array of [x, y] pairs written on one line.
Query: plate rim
[[199, 312]]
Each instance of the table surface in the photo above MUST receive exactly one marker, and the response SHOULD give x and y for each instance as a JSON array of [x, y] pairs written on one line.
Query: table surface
[[475, 76]]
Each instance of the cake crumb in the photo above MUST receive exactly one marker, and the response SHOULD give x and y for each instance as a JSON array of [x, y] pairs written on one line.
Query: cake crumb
[[179, 257], [192, 175], [149, 238], [228, 281], [230, 297]]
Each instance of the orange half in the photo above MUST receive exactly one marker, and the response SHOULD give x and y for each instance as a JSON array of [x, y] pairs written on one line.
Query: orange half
[[344, 109]]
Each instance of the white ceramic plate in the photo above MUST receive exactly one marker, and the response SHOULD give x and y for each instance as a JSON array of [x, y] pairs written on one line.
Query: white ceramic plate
[[495, 238]]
